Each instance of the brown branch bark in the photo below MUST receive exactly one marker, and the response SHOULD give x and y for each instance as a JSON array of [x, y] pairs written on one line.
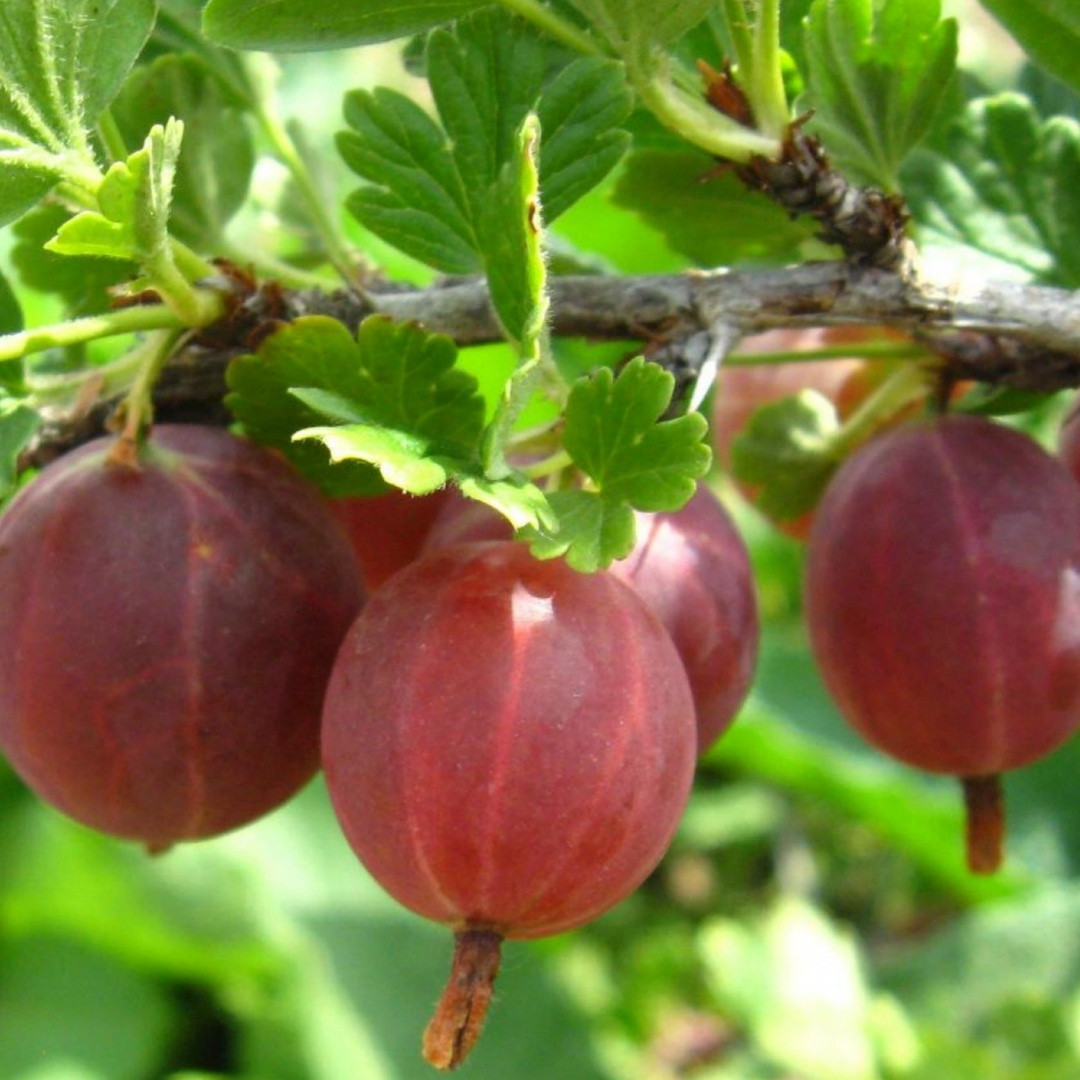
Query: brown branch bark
[[1024, 336]]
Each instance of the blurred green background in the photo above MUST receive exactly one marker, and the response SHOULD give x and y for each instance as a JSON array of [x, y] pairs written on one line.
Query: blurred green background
[[813, 921]]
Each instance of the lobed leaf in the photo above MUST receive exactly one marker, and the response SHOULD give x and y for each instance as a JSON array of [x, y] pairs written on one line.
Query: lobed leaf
[[297, 25], [61, 63], [634, 460], [1005, 185], [614, 433], [400, 403], [876, 74], [431, 185], [313, 351]]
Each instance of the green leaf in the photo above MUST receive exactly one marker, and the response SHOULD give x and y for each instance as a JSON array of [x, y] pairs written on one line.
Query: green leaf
[[294, 25], [134, 199], [18, 423], [712, 220], [313, 351], [632, 458], [61, 63], [1006, 187], [520, 502], [416, 199], [876, 74], [431, 184], [81, 281], [403, 404], [614, 433], [405, 459], [1048, 30], [592, 532], [419, 413], [786, 452], [214, 171]]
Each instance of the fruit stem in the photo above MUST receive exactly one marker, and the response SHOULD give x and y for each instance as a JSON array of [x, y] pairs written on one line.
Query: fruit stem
[[984, 801], [459, 1016]]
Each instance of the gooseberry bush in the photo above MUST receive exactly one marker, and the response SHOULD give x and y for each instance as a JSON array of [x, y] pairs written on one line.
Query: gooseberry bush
[[627, 450]]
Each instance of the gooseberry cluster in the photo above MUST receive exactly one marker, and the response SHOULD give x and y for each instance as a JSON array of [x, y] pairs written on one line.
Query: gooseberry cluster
[[508, 743]]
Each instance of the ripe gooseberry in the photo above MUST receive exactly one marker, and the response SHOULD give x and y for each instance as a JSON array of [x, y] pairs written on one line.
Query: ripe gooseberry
[[693, 571], [508, 745], [167, 633], [943, 603]]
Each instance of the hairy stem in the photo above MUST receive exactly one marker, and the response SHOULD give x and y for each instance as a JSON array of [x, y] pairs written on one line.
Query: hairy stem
[[75, 331]]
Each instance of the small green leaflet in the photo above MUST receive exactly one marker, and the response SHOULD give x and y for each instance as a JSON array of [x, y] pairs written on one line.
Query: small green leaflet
[[633, 460], [876, 73], [134, 199], [213, 173], [61, 63], [1005, 186], [429, 183], [1049, 31], [296, 25], [786, 452], [18, 423]]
